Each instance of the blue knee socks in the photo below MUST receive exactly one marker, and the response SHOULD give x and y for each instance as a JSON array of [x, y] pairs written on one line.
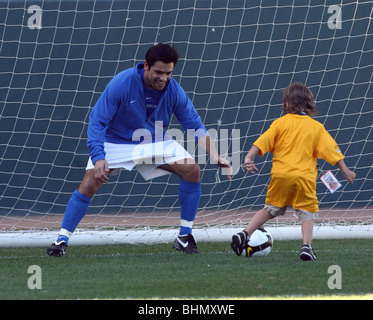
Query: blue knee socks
[[75, 211], [189, 196]]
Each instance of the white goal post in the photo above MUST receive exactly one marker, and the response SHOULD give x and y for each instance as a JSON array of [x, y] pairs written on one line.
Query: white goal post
[[151, 236], [236, 57]]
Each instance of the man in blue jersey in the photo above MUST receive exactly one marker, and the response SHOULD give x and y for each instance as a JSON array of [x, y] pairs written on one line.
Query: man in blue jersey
[[134, 111]]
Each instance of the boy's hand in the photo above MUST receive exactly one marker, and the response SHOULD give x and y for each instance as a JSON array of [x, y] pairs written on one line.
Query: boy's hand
[[249, 162], [250, 165], [349, 175]]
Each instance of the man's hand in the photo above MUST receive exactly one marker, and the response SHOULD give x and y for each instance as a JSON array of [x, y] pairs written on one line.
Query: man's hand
[[207, 144], [223, 163], [101, 171]]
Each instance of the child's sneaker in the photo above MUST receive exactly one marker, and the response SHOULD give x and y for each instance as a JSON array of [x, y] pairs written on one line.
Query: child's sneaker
[[307, 254], [239, 242]]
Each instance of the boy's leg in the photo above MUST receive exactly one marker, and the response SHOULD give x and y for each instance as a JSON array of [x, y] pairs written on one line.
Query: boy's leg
[[240, 240], [260, 218], [307, 231], [306, 253]]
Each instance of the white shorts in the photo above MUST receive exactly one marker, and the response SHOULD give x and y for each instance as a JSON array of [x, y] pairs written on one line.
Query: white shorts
[[146, 157]]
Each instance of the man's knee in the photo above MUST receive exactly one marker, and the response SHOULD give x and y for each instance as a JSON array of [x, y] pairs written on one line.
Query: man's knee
[[192, 173], [89, 186], [186, 170]]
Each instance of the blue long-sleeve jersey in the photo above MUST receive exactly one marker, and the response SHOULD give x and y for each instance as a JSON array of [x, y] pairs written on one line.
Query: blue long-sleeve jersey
[[121, 110]]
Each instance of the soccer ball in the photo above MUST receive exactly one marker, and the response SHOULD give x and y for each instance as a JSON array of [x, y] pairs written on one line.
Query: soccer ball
[[260, 244]]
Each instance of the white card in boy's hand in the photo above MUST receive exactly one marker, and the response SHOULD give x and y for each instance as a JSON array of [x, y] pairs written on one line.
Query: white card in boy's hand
[[330, 181]]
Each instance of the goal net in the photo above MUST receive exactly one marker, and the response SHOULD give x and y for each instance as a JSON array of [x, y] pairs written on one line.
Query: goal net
[[236, 57]]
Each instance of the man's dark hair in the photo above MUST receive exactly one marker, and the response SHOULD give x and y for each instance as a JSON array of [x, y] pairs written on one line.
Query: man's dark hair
[[161, 52]]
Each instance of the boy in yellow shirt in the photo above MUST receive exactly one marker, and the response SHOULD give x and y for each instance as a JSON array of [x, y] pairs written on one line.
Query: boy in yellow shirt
[[296, 142]]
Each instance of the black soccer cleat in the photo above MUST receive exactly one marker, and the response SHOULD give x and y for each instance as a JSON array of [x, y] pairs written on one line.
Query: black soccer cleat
[[187, 244], [57, 249], [307, 254], [239, 242]]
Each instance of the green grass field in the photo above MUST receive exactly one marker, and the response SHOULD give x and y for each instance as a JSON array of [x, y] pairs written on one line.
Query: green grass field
[[159, 272]]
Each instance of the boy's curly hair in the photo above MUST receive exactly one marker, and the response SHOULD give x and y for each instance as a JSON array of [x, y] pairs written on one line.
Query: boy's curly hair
[[297, 99]]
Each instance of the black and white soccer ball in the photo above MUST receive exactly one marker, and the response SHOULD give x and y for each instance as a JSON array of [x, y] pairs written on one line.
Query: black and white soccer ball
[[260, 243]]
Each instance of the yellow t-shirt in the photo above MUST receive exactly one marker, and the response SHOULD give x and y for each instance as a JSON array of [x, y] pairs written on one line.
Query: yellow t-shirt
[[296, 142]]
